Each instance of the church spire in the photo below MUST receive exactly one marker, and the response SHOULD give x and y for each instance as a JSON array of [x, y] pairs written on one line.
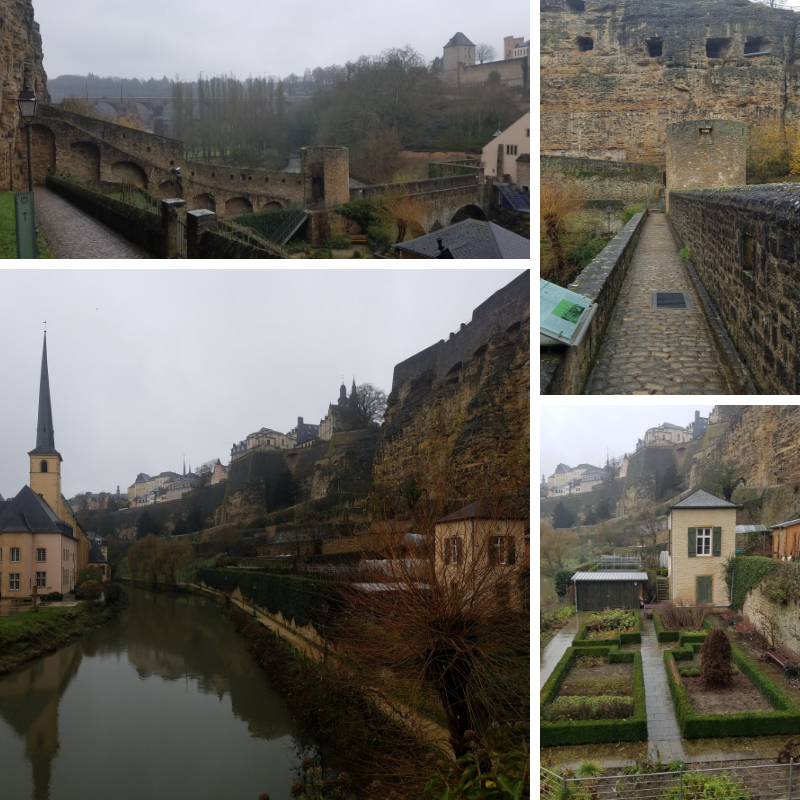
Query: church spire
[[45, 441]]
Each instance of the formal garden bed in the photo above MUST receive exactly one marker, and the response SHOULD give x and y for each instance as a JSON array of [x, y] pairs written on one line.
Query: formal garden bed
[[738, 699], [594, 695], [614, 627], [675, 622]]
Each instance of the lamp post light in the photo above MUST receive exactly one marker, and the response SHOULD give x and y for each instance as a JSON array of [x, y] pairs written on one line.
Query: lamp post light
[[10, 140], [27, 110]]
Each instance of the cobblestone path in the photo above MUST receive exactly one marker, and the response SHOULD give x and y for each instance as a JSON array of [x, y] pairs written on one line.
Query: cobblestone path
[[663, 734], [648, 351], [73, 234]]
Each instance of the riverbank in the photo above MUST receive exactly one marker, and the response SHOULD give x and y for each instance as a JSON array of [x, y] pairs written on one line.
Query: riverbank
[[33, 634]]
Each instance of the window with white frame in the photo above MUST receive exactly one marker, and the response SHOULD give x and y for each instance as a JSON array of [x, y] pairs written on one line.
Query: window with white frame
[[704, 541], [41, 580], [15, 554], [497, 550], [41, 554], [452, 550], [13, 581]]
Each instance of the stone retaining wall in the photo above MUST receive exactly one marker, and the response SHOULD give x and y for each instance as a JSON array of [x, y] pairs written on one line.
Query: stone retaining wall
[[744, 243], [563, 370]]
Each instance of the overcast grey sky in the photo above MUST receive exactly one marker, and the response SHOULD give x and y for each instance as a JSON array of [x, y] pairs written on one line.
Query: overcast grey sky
[[580, 434], [153, 38], [146, 365]]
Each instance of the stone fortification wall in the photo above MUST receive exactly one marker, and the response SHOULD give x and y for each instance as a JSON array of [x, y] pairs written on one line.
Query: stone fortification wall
[[626, 181], [504, 308], [780, 619], [745, 244], [513, 72], [614, 75], [416, 187], [706, 153], [563, 370]]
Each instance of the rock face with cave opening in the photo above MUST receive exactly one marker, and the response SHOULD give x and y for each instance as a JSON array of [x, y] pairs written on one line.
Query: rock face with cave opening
[[615, 74]]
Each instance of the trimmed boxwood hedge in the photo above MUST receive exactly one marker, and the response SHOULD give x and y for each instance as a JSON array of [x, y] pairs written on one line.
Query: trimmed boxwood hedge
[[300, 599], [632, 729], [663, 635], [635, 637], [785, 719]]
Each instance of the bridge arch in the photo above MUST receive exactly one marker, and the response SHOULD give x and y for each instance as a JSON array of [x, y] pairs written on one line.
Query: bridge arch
[[85, 160], [238, 205], [271, 205], [203, 201], [167, 189], [127, 169], [106, 110], [43, 142], [469, 211]]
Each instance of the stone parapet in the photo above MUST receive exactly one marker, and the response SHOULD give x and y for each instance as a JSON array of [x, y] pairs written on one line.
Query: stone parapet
[[563, 370]]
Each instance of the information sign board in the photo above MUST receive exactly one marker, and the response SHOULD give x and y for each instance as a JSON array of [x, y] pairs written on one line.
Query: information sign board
[[562, 313], [26, 225]]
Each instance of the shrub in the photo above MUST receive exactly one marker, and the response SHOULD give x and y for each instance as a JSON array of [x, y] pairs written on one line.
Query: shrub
[[585, 252], [91, 591], [379, 236], [339, 242], [631, 211], [356, 254], [716, 660], [616, 685], [697, 786], [54, 597], [563, 578], [684, 254], [612, 620], [586, 708], [683, 615], [750, 571]]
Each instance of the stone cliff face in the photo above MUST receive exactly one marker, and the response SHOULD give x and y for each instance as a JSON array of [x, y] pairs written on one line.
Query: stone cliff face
[[479, 412], [614, 74], [21, 63]]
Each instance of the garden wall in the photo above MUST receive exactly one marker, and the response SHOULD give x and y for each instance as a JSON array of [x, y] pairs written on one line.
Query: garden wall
[[780, 621]]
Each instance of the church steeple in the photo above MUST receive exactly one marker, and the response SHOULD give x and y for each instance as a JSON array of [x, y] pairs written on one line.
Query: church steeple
[[45, 441]]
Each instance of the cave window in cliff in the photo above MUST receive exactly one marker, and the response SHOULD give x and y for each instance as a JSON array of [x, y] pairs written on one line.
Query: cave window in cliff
[[655, 47], [717, 48], [756, 44], [585, 43], [576, 6]]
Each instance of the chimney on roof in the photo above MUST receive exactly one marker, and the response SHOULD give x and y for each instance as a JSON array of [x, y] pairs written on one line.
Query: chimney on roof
[[441, 246]]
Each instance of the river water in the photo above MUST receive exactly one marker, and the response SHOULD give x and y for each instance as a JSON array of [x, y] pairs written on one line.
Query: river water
[[162, 702]]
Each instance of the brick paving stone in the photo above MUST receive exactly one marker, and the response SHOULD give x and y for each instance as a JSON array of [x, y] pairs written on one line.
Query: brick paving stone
[[668, 360], [71, 233]]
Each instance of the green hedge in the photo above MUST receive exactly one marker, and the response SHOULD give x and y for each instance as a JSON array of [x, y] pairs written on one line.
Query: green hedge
[[785, 719], [615, 641], [663, 635], [300, 599], [632, 729], [749, 572]]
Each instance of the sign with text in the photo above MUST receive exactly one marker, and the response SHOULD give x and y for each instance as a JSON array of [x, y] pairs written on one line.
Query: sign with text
[[561, 312], [26, 225]]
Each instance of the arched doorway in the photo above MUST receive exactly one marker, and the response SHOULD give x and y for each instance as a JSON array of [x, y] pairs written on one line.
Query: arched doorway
[[167, 189], [272, 205], [131, 171], [85, 161], [203, 201], [468, 212], [238, 205]]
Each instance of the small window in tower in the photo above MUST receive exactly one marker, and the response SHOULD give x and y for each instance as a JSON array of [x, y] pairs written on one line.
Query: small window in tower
[[655, 47], [747, 253], [43, 466], [585, 43], [717, 48]]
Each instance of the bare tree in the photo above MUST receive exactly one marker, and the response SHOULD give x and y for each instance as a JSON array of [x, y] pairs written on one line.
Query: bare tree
[[484, 52], [371, 405], [773, 3]]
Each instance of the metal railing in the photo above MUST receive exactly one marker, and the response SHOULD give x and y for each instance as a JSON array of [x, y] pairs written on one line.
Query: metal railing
[[765, 782], [619, 562], [134, 195], [233, 230]]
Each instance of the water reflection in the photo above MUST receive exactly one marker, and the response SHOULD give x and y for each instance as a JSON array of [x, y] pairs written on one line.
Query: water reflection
[[158, 696]]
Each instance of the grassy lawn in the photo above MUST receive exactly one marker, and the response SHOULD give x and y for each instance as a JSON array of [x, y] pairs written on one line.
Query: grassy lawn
[[8, 230]]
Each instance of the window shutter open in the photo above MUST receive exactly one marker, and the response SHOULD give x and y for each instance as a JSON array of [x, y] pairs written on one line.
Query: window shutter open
[[692, 542], [447, 547], [716, 542]]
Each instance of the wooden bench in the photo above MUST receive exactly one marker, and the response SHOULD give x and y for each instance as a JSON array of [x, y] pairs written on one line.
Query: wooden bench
[[745, 628], [785, 657], [727, 616], [358, 238]]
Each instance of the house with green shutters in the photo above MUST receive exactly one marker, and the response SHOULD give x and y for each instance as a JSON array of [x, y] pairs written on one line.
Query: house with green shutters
[[702, 535]]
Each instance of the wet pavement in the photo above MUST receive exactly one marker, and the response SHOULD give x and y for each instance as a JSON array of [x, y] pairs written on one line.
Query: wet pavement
[[557, 646], [649, 351], [71, 233]]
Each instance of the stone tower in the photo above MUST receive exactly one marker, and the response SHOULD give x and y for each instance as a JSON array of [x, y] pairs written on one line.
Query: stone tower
[[326, 175], [459, 50], [706, 153]]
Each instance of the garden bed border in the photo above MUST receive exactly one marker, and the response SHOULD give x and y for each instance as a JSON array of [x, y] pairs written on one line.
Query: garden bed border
[[681, 637], [631, 729], [635, 637]]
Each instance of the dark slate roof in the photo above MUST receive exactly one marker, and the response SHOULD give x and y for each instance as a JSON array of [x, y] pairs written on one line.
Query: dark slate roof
[[482, 509], [28, 513], [142, 477], [472, 238], [96, 554], [701, 499], [45, 441], [459, 40], [524, 158]]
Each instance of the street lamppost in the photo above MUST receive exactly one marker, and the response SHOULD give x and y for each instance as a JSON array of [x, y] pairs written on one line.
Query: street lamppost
[[27, 109], [10, 140]]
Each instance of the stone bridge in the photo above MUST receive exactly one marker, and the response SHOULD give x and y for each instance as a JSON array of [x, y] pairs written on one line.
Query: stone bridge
[[97, 151]]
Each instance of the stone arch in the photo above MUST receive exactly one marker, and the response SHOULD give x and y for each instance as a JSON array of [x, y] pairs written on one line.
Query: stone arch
[[480, 351], [238, 205], [106, 110], [144, 113], [85, 161], [203, 201], [167, 189], [127, 169], [468, 212], [271, 205], [437, 226], [43, 143]]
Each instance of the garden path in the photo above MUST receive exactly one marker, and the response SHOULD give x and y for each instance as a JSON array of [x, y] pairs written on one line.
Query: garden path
[[558, 645]]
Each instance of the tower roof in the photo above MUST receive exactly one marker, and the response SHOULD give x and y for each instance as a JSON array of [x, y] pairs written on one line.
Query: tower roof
[[29, 513], [45, 441], [459, 40]]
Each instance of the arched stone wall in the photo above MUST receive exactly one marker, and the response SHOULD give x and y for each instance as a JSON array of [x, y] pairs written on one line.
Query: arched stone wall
[[167, 189], [271, 205], [238, 205], [43, 145], [85, 161], [468, 212], [127, 169], [203, 201]]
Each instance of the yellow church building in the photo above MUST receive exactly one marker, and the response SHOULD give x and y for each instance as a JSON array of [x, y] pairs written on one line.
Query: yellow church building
[[42, 545]]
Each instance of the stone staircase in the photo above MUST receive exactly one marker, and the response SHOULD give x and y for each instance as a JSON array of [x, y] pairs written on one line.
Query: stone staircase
[[662, 589]]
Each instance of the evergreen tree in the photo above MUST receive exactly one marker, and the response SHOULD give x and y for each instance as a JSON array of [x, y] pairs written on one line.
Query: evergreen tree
[[562, 516]]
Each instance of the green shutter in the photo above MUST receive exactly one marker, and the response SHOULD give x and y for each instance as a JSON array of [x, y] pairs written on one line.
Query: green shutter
[[716, 542], [692, 542], [703, 588]]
